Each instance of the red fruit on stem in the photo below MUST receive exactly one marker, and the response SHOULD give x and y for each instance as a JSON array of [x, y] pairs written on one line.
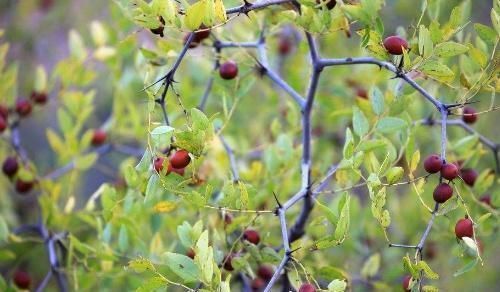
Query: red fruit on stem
[[306, 287], [159, 29], [469, 115], [158, 164], [180, 159], [10, 166], [228, 70], [24, 187], [442, 193], [285, 45], [361, 92], [4, 112], [228, 266], [22, 279], [469, 176], [395, 44], [190, 253], [449, 171], [228, 219], [3, 124], [257, 284], [265, 272], [251, 236], [199, 36], [486, 199], [329, 4], [406, 283], [23, 107], [39, 97], [99, 137], [430, 251], [433, 163], [464, 228], [179, 171]]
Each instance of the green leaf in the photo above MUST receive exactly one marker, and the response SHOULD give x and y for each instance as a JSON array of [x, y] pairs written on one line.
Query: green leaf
[[449, 49], [425, 45], [152, 188], [4, 230], [348, 144], [428, 272], [377, 100], [337, 285], [195, 15], [394, 174], [487, 34], [329, 214], [161, 135], [123, 238], [344, 218], [152, 284], [76, 46], [437, 71], [140, 265], [360, 123], [408, 266], [86, 161], [391, 125], [145, 162], [183, 266], [40, 80], [429, 288], [204, 258], [371, 266], [469, 266]]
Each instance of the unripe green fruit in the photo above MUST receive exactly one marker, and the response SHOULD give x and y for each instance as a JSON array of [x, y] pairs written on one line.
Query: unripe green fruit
[[433, 163], [442, 193], [464, 228], [395, 44]]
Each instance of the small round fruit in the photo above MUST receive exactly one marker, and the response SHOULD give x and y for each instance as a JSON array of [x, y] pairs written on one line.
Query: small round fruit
[[449, 171], [329, 4], [199, 36], [23, 107], [4, 112], [158, 164], [39, 97], [464, 228], [307, 287], [433, 163], [22, 279], [285, 45], [442, 193], [251, 236], [10, 166], [228, 70], [361, 92], [469, 115], [486, 199], [469, 176], [24, 187], [406, 283], [257, 284], [265, 272], [98, 137], [191, 253], [180, 159], [228, 265], [179, 171], [3, 124], [430, 251], [192, 44], [228, 219], [395, 44]]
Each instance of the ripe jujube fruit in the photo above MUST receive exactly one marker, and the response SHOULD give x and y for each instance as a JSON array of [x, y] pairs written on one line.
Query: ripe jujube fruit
[[464, 228], [228, 70], [285, 45], [180, 159], [449, 171], [395, 44], [10, 166], [98, 137], [433, 163], [23, 107], [3, 124], [24, 187], [442, 193], [251, 236], [469, 176], [179, 171], [39, 97], [361, 92], [486, 199], [4, 112], [307, 287], [228, 266], [199, 36], [469, 115], [22, 279], [329, 4], [265, 272], [158, 164], [228, 219], [257, 284], [191, 253], [406, 283]]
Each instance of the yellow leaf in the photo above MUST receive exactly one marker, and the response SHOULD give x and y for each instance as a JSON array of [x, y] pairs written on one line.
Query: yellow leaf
[[164, 206], [220, 11], [195, 15]]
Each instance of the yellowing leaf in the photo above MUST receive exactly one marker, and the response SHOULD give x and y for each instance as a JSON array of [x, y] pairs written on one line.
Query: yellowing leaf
[[164, 207], [220, 11], [195, 15]]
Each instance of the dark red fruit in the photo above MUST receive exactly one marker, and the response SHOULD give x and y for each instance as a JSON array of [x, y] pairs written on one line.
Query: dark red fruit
[[228, 70], [158, 164], [306, 287], [22, 279], [430, 251], [159, 30], [39, 97], [361, 92], [329, 4], [433, 163], [406, 283], [228, 265], [469, 176], [251, 236], [199, 36], [285, 45], [4, 112], [469, 115], [23, 107], [24, 187], [228, 219], [179, 171], [486, 199], [3, 124], [190, 253], [257, 284], [265, 272], [464, 228], [442, 193], [180, 159], [449, 171], [10, 166], [99, 137], [395, 44]]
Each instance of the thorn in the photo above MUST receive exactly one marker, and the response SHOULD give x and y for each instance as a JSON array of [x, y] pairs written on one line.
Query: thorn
[[277, 201], [293, 250]]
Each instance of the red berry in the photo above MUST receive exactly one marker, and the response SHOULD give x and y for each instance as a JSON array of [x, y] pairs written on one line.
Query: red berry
[[251, 236], [23, 107], [285, 45], [39, 97], [306, 287], [24, 187], [228, 70], [470, 115], [158, 164], [464, 228], [192, 44], [449, 171], [191, 253], [406, 283], [99, 137], [180, 159], [179, 171], [395, 44], [469, 176], [433, 163], [10, 166], [257, 284], [228, 266], [486, 199], [430, 251], [22, 279], [228, 219], [265, 272], [4, 112], [361, 92], [442, 193], [3, 124], [199, 36]]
